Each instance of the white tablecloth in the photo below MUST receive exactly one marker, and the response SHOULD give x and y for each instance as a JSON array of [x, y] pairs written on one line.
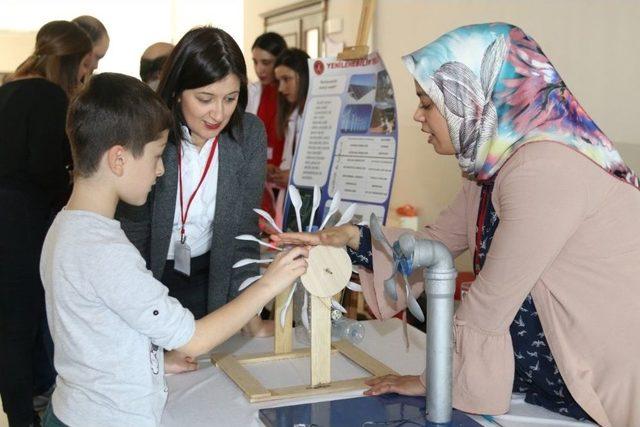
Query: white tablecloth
[[207, 397]]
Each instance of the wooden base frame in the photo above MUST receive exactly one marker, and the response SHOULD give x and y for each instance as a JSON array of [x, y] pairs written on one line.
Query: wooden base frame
[[256, 392]]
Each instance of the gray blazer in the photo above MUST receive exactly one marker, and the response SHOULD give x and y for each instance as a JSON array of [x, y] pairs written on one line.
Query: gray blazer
[[241, 174]]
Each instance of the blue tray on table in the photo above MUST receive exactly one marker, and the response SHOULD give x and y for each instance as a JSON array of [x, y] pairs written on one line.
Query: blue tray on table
[[388, 410]]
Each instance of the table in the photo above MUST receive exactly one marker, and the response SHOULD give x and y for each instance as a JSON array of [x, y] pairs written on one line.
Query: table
[[207, 397]]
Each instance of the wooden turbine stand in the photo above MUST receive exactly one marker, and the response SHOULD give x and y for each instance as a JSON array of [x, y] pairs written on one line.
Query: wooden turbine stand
[[328, 273]]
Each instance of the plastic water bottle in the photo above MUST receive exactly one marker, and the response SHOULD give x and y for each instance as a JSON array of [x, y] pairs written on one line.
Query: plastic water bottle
[[349, 329]]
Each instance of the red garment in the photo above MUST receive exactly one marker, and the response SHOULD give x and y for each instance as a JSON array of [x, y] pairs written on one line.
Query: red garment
[[268, 111]]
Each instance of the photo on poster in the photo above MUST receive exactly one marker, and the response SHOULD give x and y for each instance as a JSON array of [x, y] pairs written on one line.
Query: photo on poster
[[355, 118], [384, 89], [362, 88], [383, 120]]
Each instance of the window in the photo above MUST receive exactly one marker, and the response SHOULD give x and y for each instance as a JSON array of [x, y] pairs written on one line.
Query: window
[[301, 24]]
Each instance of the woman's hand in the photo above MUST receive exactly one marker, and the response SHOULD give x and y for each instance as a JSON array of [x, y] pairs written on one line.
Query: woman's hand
[[409, 385], [345, 235], [266, 227], [271, 169], [176, 362], [280, 177]]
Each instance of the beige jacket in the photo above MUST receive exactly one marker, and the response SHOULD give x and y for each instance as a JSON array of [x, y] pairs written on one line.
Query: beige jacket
[[569, 234]]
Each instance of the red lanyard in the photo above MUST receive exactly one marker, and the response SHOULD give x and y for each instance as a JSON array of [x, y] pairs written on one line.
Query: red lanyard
[[184, 213]]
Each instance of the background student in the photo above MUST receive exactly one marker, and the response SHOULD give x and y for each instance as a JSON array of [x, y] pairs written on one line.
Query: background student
[[292, 73], [34, 184], [215, 167], [151, 62], [97, 32], [263, 102]]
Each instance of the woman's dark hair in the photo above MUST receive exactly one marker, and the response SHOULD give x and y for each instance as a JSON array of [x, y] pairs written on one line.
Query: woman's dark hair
[[203, 56], [92, 26], [60, 48], [273, 43], [296, 59]]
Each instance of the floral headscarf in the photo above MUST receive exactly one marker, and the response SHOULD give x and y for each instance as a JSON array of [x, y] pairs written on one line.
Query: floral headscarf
[[497, 91]]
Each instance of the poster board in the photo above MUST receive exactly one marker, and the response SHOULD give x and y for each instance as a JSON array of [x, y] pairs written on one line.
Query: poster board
[[348, 141]]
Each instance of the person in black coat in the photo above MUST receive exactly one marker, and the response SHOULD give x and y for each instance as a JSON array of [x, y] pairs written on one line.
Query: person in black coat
[[34, 184]]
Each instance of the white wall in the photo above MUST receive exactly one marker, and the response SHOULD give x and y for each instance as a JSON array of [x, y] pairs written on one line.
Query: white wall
[[132, 25]]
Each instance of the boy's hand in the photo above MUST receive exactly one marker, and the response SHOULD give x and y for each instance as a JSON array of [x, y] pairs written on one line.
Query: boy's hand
[[176, 362], [286, 268], [409, 385]]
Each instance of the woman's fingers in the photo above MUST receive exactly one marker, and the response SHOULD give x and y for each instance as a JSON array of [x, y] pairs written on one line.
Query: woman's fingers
[[380, 388], [331, 237], [407, 384], [296, 239], [335, 236], [378, 380]]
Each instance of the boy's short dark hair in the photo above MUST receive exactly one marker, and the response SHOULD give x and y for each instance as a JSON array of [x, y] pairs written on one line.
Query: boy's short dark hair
[[113, 109]]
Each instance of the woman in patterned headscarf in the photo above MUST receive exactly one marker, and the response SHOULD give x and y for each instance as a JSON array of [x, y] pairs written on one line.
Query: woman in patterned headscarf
[[549, 209]]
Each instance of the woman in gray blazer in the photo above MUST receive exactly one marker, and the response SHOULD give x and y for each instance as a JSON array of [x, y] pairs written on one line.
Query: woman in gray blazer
[[215, 164]]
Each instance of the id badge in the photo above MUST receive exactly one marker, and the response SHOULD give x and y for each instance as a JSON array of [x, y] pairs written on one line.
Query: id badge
[[182, 258], [269, 153]]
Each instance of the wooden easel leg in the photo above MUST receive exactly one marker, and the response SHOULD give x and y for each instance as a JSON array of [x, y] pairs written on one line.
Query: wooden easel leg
[[320, 341], [283, 336], [360, 50]]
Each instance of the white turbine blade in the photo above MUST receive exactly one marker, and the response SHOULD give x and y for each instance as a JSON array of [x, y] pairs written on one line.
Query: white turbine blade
[[250, 238], [333, 208], [268, 218], [296, 201], [412, 303], [376, 231], [248, 282], [314, 207], [304, 312], [347, 215], [335, 304], [248, 261], [283, 312], [390, 287], [354, 287]]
